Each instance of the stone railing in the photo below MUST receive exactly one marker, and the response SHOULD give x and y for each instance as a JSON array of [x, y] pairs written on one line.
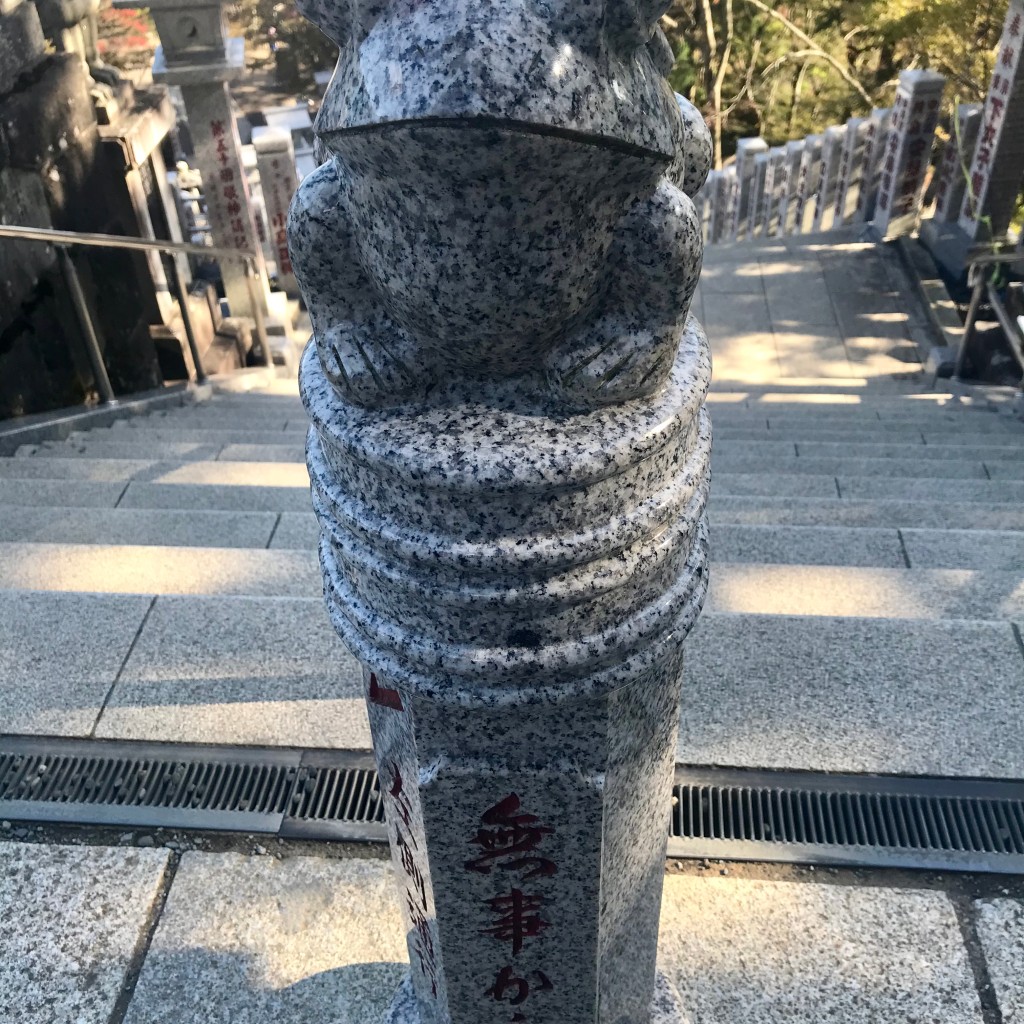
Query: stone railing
[[872, 170]]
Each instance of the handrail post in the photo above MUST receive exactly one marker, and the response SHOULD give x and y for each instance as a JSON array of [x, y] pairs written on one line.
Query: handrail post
[[251, 278], [972, 316], [186, 319], [92, 344]]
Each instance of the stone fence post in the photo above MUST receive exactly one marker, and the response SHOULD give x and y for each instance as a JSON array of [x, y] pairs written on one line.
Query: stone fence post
[[907, 153], [509, 458]]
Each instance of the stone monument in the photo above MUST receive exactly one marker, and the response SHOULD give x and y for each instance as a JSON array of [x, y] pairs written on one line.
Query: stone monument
[[196, 54], [509, 458], [996, 167]]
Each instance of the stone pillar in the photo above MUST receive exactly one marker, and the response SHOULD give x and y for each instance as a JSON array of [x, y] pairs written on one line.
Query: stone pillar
[[831, 159], [747, 150], [807, 185], [998, 164], [954, 170], [774, 191], [791, 180], [874, 156], [719, 190], [196, 54], [509, 459], [908, 151], [851, 171], [275, 157], [758, 195]]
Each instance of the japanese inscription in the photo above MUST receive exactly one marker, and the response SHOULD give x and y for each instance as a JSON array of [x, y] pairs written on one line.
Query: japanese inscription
[[509, 843]]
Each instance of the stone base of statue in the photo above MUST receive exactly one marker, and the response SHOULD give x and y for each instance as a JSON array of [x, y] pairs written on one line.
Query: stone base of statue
[[517, 579]]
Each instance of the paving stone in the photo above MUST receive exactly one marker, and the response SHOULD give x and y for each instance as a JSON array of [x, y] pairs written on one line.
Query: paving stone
[[797, 296], [736, 313], [265, 474], [59, 656], [729, 279], [294, 452], [854, 434], [121, 526], [55, 493], [218, 498], [248, 940], [816, 545], [743, 355], [1000, 925], [758, 462], [892, 450], [231, 670], [754, 511], [792, 485], [96, 446], [1000, 470], [126, 569], [296, 530], [925, 489], [869, 592], [183, 435], [854, 695], [811, 350], [965, 549], [71, 918], [94, 470], [755, 952]]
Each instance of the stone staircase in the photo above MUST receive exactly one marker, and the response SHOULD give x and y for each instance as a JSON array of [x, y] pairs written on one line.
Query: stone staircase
[[158, 580]]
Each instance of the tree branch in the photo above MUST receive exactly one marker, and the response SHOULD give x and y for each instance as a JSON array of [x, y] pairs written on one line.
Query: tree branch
[[808, 41]]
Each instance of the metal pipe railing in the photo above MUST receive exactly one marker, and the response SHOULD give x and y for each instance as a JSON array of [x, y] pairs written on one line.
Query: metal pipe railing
[[65, 240], [978, 279]]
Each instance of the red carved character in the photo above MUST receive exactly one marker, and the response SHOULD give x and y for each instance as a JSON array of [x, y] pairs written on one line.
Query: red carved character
[[519, 918], [514, 990], [510, 840]]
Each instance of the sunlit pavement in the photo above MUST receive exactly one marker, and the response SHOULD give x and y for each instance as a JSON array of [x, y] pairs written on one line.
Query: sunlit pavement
[[158, 581]]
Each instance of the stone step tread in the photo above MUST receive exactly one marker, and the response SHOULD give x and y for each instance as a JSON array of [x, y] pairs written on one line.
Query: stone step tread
[[880, 434], [760, 510], [819, 691], [193, 528], [213, 436], [157, 569], [907, 466], [206, 421], [1005, 430], [87, 469], [797, 485], [90, 446]]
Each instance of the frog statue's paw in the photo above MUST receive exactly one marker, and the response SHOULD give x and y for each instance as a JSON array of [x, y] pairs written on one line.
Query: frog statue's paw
[[367, 357], [626, 348]]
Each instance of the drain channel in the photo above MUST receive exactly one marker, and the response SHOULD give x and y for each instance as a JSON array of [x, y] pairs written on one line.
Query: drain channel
[[728, 814]]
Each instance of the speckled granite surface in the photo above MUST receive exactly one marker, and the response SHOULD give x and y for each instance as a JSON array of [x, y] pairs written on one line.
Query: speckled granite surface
[[509, 458]]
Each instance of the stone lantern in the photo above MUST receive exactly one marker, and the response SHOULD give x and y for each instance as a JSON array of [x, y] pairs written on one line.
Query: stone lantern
[[509, 457]]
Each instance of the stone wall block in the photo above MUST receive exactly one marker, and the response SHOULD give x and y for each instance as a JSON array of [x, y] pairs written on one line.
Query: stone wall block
[[22, 44]]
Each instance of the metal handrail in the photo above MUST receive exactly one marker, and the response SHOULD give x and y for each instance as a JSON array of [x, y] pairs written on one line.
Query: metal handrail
[[981, 286], [64, 240]]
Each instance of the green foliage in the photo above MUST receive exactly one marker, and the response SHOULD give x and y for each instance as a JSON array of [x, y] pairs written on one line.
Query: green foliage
[[779, 85]]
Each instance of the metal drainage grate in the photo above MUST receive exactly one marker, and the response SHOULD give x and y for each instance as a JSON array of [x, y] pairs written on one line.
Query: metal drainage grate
[[310, 794], [729, 814], [851, 820]]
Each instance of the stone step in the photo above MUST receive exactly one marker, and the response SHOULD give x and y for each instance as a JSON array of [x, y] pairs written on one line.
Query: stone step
[[137, 569], [916, 548], [879, 434], [987, 424], [854, 695], [58, 493], [96, 446], [768, 511], [162, 527], [212, 436], [756, 462], [223, 497], [861, 694], [999, 453], [214, 420], [81, 468]]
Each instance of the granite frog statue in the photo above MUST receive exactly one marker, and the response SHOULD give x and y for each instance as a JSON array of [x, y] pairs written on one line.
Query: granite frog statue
[[506, 195]]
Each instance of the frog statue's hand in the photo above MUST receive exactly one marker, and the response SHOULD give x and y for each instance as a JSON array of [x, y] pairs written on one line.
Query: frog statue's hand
[[368, 358], [626, 347]]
